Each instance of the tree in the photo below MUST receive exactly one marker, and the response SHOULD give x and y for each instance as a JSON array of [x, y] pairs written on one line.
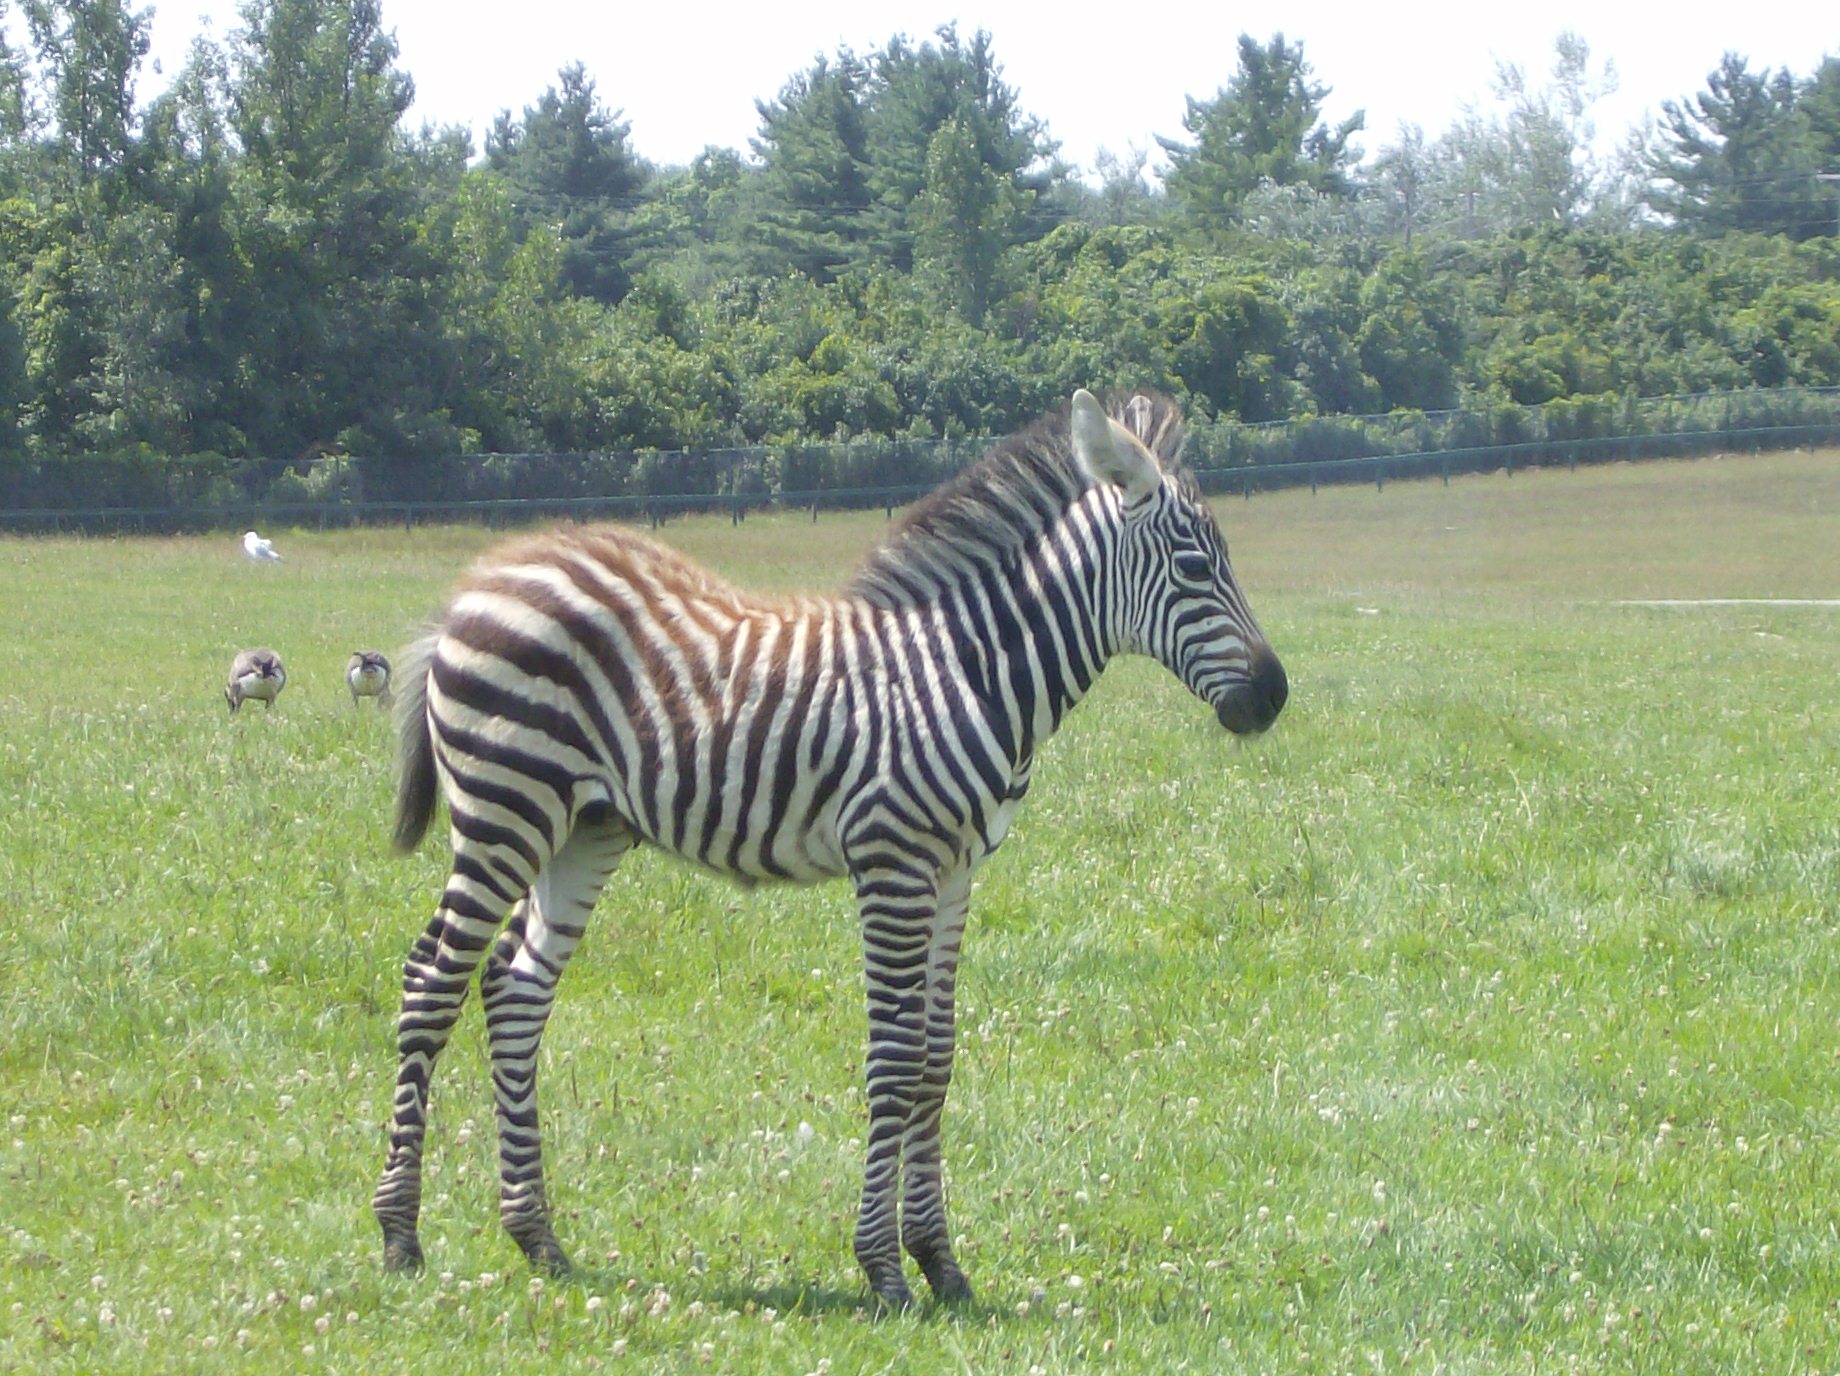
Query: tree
[[16, 115], [89, 51], [1531, 164], [1818, 104], [338, 315], [1124, 196], [517, 338], [963, 221], [704, 223], [571, 166], [814, 148], [140, 386], [1410, 338], [916, 91], [1736, 157], [1262, 127], [1402, 176]]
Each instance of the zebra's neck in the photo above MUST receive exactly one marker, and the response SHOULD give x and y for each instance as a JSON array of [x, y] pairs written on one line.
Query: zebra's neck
[[1032, 635]]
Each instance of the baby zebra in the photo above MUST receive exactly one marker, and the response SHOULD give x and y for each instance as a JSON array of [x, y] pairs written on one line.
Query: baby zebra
[[368, 676], [590, 690], [255, 674]]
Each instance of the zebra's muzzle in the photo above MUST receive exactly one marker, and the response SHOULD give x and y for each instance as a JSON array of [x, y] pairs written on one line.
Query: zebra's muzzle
[[1247, 708]]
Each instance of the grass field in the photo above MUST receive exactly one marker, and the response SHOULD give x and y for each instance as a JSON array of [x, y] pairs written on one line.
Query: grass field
[[1484, 1016]]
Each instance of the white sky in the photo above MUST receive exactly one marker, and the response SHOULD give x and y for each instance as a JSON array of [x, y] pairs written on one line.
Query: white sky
[[687, 75]]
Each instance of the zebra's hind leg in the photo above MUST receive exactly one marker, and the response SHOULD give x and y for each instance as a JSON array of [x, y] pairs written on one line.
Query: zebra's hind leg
[[898, 899], [924, 1232], [518, 990], [435, 979]]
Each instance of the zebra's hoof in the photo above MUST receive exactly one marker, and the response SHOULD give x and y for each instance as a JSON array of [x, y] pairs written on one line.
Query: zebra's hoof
[[402, 1254], [546, 1256], [948, 1283], [893, 1297]]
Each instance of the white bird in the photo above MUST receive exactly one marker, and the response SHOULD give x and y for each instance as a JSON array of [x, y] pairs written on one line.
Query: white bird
[[368, 676], [255, 674], [259, 549]]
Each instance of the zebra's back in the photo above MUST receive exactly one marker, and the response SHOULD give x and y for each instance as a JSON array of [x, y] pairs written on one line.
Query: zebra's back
[[595, 670]]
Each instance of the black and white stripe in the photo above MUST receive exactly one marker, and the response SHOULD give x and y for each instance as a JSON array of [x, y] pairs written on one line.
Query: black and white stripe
[[589, 690]]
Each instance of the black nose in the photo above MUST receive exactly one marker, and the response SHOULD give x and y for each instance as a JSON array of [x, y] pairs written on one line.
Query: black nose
[[1252, 706]]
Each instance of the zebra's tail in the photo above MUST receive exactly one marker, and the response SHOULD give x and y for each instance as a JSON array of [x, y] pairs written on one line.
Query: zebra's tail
[[417, 788]]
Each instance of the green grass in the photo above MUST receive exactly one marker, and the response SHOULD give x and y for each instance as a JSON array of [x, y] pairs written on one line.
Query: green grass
[[1484, 1016]]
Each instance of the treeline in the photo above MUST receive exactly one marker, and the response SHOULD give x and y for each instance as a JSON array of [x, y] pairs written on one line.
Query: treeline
[[270, 261]]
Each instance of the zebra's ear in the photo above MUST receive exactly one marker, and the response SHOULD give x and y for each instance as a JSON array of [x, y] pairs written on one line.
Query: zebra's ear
[[1110, 453]]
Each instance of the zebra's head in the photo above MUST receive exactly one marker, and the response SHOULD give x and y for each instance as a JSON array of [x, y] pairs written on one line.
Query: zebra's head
[[1178, 600]]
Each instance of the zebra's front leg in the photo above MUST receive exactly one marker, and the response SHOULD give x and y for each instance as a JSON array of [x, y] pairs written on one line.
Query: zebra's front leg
[[898, 904], [435, 979], [924, 1231], [518, 990]]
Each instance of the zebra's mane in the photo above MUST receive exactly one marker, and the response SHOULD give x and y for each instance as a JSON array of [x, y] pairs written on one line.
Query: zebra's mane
[[978, 519]]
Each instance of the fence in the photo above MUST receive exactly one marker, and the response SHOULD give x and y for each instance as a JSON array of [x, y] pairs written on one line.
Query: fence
[[141, 491]]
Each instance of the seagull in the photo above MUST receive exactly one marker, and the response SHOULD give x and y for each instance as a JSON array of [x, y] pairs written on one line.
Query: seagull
[[368, 676], [259, 549], [255, 674]]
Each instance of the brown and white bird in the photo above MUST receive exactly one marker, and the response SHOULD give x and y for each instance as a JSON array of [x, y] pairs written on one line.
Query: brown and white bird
[[368, 676], [255, 674]]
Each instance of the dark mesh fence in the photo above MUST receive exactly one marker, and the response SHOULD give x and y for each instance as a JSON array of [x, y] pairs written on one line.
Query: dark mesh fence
[[138, 490]]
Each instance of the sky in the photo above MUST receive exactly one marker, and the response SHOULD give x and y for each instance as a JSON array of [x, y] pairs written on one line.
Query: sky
[[687, 75]]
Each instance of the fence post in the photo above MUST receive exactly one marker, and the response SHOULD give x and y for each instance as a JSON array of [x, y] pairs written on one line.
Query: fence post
[[1245, 484], [1312, 480], [814, 511], [1380, 476], [1509, 456], [1444, 467]]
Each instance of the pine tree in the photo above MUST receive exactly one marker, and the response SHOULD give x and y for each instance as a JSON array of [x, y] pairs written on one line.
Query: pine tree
[[1262, 128]]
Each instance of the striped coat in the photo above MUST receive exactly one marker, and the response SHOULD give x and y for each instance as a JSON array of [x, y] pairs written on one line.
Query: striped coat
[[588, 690]]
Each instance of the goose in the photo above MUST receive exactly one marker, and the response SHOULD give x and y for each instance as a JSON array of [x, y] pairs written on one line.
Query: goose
[[259, 549], [368, 676], [255, 674]]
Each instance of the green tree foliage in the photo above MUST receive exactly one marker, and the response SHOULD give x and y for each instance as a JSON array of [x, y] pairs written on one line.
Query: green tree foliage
[[264, 261], [963, 220], [814, 147], [1819, 104], [1742, 154], [917, 91], [339, 336], [15, 107], [572, 168], [1124, 195], [89, 52], [1263, 127], [1530, 164]]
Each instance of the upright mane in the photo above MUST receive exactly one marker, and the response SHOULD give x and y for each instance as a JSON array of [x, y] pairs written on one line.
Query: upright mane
[[978, 519]]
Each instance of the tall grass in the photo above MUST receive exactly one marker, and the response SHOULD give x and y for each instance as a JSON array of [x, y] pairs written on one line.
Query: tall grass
[[1482, 1017]]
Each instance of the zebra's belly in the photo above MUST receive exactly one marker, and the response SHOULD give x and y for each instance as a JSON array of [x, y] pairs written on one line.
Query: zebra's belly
[[806, 856]]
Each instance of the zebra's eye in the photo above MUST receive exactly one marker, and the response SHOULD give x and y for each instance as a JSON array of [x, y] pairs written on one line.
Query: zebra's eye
[[1192, 566]]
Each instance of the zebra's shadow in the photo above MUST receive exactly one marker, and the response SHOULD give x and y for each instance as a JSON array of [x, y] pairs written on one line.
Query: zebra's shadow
[[793, 1300]]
